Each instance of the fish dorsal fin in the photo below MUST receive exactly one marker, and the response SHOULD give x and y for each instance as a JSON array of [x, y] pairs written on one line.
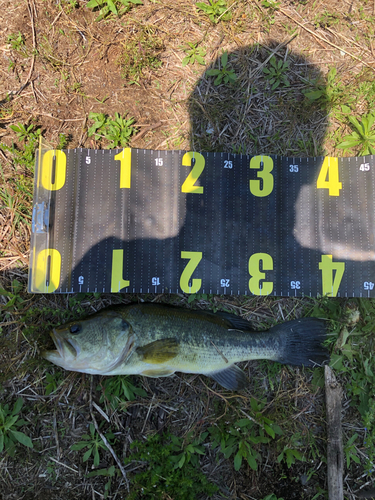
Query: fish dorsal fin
[[232, 378], [159, 351], [235, 322]]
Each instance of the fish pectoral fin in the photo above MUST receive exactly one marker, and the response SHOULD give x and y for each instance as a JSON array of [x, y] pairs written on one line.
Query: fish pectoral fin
[[161, 372], [232, 378], [159, 351]]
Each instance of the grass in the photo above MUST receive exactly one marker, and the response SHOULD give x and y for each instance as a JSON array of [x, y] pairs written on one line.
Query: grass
[[218, 76]]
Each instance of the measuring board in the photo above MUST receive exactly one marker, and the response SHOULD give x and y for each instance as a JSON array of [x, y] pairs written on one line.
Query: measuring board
[[132, 220]]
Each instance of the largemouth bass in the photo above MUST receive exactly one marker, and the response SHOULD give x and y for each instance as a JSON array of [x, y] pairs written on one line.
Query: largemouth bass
[[158, 340]]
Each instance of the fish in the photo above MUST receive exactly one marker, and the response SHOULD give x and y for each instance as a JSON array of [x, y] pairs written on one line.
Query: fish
[[157, 340]]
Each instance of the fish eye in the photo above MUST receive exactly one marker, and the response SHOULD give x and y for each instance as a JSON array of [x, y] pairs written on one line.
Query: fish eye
[[74, 329]]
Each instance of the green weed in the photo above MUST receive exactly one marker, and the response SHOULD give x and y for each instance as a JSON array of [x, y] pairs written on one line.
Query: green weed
[[110, 472], [17, 42], [290, 452], [194, 53], [9, 435], [52, 382], [362, 138], [93, 442], [243, 438], [276, 73], [118, 389], [117, 131], [29, 135], [272, 497], [329, 93], [350, 451], [188, 453], [326, 19], [271, 4], [223, 74], [116, 7], [141, 54], [215, 10], [160, 477]]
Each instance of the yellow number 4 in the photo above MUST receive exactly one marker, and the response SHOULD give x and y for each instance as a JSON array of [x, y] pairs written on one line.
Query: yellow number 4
[[330, 281], [329, 176]]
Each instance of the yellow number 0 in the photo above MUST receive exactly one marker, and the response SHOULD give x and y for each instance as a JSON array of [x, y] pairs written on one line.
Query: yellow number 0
[[264, 175], [257, 274], [58, 180]]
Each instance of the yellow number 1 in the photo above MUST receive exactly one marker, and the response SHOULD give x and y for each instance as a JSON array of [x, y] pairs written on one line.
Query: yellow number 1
[[125, 158]]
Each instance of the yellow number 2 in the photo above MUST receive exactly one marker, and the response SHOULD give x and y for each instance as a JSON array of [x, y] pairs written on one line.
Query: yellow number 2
[[328, 177], [195, 258], [189, 185]]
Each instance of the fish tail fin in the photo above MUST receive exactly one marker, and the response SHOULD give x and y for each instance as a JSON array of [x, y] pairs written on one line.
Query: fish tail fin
[[302, 341]]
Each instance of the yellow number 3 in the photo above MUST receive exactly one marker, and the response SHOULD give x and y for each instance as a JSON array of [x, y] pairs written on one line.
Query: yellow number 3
[[263, 185], [257, 274]]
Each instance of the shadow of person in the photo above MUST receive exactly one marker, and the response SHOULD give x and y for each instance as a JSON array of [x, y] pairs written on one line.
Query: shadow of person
[[260, 213], [305, 231]]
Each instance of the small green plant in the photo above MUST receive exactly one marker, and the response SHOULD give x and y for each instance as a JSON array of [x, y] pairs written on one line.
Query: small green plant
[[276, 73], [29, 135], [141, 54], [215, 10], [116, 7], [271, 4], [272, 497], [290, 453], [363, 137], [223, 74], [193, 53], [188, 453], [162, 476], [24, 132], [244, 436], [63, 141], [329, 93], [52, 382], [93, 442], [118, 131], [118, 389], [326, 19], [350, 451], [17, 42], [110, 473], [9, 435]]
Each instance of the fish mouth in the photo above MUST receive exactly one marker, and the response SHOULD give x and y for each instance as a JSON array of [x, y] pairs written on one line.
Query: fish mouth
[[64, 346]]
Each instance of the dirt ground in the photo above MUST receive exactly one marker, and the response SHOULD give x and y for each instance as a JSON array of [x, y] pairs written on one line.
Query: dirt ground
[[58, 65]]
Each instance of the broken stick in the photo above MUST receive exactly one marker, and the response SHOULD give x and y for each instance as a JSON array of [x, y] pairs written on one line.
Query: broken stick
[[335, 456]]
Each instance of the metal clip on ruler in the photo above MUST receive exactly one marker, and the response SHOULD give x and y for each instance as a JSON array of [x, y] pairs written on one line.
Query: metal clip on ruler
[[142, 221]]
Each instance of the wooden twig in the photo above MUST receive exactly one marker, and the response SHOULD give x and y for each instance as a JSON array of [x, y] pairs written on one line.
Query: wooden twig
[[104, 439], [335, 454]]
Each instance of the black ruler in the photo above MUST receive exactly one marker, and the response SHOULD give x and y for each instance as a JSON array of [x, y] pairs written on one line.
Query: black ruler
[[131, 220]]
